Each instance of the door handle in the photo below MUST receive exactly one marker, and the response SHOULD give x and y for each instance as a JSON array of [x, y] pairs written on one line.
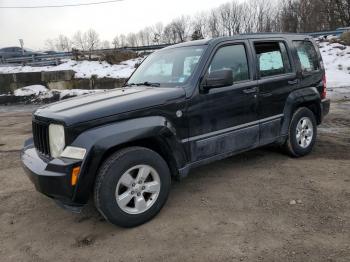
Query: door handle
[[250, 90], [293, 82]]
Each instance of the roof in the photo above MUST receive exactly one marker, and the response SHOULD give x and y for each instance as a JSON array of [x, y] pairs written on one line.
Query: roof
[[239, 37]]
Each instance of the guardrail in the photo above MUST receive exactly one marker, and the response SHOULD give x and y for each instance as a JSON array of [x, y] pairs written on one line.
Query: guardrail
[[37, 60], [337, 32], [43, 60], [54, 59]]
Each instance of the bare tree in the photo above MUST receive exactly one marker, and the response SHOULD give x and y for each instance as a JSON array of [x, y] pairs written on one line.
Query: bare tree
[[247, 18], [80, 41], [141, 37], [148, 37], [131, 39], [170, 34], [63, 43], [144, 36], [50, 44], [236, 16], [343, 9], [199, 26], [105, 44], [229, 18], [122, 40], [181, 26], [157, 31], [116, 42], [213, 23], [92, 40]]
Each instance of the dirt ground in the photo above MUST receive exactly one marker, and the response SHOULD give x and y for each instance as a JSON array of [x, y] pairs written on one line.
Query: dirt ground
[[238, 209]]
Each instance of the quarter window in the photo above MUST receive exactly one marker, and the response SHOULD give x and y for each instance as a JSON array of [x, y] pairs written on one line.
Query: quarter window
[[232, 57], [272, 58], [307, 56]]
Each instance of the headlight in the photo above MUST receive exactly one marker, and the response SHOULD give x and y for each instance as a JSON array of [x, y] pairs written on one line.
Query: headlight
[[56, 139]]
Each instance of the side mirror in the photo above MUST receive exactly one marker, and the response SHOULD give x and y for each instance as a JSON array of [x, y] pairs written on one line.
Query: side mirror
[[219, 78]]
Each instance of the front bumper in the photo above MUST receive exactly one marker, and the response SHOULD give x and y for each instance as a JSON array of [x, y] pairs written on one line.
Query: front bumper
[[325, 105], [50, 177]]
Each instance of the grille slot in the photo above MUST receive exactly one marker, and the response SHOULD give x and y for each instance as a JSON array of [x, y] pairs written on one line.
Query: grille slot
[[41, 137]]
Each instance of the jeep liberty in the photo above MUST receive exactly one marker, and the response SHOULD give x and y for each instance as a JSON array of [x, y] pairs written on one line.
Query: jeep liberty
[[185, 105]]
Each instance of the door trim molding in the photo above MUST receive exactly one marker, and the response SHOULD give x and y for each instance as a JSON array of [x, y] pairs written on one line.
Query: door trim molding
[[221, 131]]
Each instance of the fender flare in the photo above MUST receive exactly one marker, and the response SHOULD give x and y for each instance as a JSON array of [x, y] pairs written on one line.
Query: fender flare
[[294, 100], [100, 140]]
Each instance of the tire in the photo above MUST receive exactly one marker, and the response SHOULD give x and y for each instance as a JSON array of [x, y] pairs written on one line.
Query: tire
[[119, 196], [302, 133]]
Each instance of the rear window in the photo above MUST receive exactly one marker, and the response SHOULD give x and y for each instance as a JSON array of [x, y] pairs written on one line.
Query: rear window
[[272, 58], [307, 55]]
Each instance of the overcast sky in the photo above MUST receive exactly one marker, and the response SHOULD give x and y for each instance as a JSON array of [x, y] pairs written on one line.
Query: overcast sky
[[37, 25]]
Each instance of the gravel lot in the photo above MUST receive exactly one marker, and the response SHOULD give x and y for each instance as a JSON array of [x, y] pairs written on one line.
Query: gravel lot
[[257, 206]]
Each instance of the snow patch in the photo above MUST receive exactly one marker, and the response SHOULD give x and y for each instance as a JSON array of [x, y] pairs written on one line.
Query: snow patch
[[30, 90], [40, 92], [83, 69], [336, 59]]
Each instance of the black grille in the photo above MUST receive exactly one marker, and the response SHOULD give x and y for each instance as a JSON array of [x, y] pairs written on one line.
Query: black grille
[[41, 137]]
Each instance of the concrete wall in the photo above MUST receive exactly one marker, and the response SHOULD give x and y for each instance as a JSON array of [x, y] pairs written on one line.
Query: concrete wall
[[55, 80]]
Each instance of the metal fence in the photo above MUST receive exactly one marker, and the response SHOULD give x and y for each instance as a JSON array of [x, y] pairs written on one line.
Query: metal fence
[[337, 32], [37, 60], [55, 59]]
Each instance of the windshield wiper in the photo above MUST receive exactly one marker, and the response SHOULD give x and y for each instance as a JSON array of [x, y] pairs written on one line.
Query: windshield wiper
[[131, 84], [147, 83]]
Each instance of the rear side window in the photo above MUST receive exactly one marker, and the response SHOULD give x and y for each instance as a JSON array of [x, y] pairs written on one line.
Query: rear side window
[[307, 55], [232, 57], [272, 58]]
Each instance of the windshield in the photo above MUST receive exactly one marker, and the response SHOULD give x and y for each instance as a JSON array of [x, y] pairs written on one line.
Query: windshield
[[170, 67]]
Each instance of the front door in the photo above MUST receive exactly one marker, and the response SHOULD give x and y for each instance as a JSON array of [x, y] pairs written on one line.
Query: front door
[[224, 120]]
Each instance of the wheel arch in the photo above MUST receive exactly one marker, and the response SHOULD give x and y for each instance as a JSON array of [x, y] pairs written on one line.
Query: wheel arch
[[157, 144], [155, 133], [306, 97]]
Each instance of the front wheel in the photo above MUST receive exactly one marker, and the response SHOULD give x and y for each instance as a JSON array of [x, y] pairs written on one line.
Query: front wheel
[[302, 133], [132, 186]]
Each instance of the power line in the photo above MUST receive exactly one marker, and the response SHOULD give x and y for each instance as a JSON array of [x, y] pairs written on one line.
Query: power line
[[58, 6]]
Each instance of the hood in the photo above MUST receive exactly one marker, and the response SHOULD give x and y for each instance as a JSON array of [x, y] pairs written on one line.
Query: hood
[[107, 103]]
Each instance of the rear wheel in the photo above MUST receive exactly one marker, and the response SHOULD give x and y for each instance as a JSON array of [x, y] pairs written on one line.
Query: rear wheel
[[302, 133], [132, 186]]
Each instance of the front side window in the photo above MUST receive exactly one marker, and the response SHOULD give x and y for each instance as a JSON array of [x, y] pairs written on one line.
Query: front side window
[[170, 67], [307, 56], [232, 57], [272, 58]]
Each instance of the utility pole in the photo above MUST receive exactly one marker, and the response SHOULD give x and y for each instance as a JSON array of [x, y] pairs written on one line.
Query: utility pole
[[22, 44]]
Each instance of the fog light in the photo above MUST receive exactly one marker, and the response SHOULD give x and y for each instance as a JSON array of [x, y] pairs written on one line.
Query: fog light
[[75, 175]]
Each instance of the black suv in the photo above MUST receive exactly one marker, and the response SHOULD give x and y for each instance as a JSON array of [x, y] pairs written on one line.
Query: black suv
[[185, 106]]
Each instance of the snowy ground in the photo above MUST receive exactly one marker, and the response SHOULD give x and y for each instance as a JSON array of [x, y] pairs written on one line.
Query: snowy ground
[[336, 59], [39, 93], [83, 69]]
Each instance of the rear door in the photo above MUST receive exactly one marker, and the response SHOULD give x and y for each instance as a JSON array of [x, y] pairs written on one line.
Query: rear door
[[276, 79]]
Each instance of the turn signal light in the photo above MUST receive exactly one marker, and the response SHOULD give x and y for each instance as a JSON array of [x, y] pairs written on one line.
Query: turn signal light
[[75, 175]]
